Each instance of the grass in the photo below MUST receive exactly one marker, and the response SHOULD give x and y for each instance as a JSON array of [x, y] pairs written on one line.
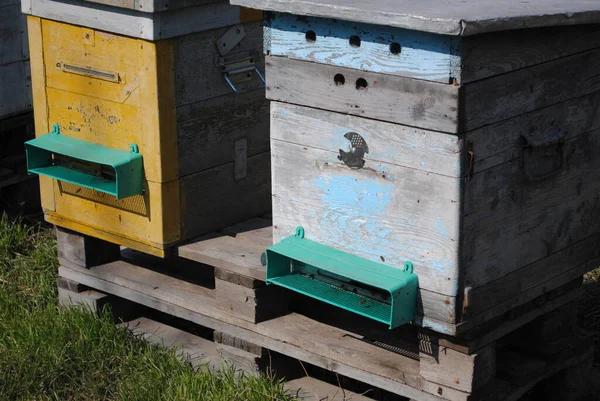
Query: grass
[[53, 353]]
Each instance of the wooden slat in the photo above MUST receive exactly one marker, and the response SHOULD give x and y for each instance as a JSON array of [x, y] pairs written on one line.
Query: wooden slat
[[452, 17], [227, 253], [504, 197], [212, 199], [502, 142], [505, 96], [191, 348], [207, 130], [496, 53], [311, 389], [15, 89], [401, 100], [258, 230]]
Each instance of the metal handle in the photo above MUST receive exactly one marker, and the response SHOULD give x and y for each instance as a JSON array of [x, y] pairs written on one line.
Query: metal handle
[[542, 157], [240, 71]]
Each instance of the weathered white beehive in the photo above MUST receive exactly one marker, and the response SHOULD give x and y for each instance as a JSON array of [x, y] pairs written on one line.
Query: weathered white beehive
[[151, 121], [460, 135]]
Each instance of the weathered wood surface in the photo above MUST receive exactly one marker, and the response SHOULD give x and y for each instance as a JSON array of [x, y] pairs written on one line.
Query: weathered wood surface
[[311, 389], [83, 250], [504, 197], [211, 199], [492, 54], [251, 304], [152, 6], [190, 348], [197, 73], [453, 17], [15, 89], [498, 98], [418, 55], [383, 211], [13, 34], [258, 230], [502, 142], [223, 252], [132, 23], [293, 335], [457, 370], [207, 130], [424, 104]]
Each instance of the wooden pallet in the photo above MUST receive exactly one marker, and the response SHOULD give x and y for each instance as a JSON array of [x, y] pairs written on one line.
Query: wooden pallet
[[223, 289]]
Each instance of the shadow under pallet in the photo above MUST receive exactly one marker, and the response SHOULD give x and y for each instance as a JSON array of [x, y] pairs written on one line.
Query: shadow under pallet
[[217, 282]]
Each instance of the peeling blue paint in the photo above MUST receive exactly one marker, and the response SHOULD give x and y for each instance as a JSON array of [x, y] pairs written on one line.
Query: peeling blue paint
[[423, 55], [441, 227]]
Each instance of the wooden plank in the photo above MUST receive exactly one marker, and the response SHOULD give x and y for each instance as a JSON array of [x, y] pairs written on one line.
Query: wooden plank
[[492, 54], [15, 89], [11, 32], [152, 6], [410, 147], [453, 17], [568, 264], [83, 250], [383, 213], [503, 141], [292, 335], [194, 349], [211, 199], [197, 73], [254, 305], [258, 230], [457, 370], [311, 389], [207, 130], [417, 54], [401, 100], [227, 253], [501, 97], [136, 24], [504, 197]]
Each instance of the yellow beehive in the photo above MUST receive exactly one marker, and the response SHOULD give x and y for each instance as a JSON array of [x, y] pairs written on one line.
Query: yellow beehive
[[204, 147]]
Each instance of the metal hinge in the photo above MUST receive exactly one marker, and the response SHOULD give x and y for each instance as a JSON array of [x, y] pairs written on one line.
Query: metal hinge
[[239, 68]]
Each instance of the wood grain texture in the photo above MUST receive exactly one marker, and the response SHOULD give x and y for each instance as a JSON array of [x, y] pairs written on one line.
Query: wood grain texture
[[212, 200], [251, 304], [193, 349], [231, 254], [197, 73], [83, 250], [492, 54], [292, 335], [429, 105], [502, 142], [457, 370], [258, 230], [538, 218], [207, 130], [13, 34], [311, 389], [150, 26], [505, 96], [453, 17], [420, 55], [15, 89], [152, 6], [380, 212], [403, 146]]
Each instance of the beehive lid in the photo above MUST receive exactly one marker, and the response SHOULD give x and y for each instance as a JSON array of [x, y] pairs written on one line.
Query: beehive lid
[[451, 17]]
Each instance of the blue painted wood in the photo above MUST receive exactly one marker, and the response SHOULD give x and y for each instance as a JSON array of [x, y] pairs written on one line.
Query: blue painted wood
[[422, 55]]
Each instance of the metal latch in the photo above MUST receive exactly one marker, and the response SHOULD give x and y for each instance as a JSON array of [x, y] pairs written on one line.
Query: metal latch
[[238, 68]]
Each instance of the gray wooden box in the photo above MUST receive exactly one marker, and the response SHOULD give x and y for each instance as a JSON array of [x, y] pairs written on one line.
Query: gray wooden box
[[444, 134], [15, 86]]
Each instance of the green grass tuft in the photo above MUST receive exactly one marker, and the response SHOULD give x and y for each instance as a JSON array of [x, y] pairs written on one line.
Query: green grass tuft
[[53, 353]]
